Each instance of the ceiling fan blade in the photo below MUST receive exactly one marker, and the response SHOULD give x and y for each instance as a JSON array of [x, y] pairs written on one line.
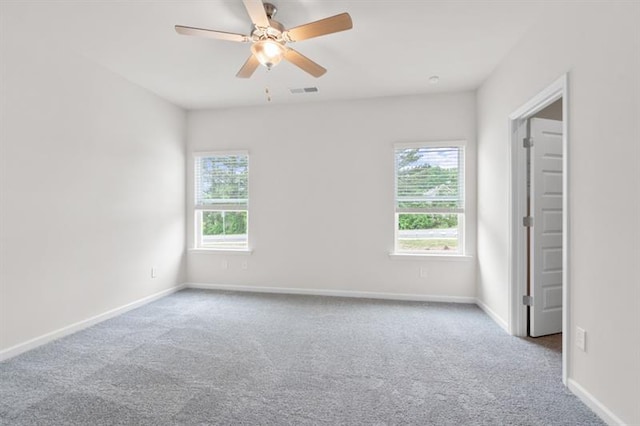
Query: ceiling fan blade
[[248, 68], [330, 25], [258, 16], [306, 64], [220, 35]]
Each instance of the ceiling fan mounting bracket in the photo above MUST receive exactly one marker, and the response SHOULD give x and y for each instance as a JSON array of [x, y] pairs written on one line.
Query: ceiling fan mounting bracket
[[270, 9]]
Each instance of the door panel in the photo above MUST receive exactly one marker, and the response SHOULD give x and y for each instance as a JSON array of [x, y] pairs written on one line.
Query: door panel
[[546, 235]]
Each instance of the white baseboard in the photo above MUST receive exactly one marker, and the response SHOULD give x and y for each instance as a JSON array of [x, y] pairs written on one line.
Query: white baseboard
[[596, 406], [65, 331], [335, 293], [495, 317]]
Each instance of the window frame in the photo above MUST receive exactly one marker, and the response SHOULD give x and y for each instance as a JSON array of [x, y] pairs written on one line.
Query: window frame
[[198, 210], [461, 212]]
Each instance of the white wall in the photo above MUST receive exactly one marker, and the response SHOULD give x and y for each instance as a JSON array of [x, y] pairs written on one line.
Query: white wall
[[91, 187], [321, 193], [599, 45]]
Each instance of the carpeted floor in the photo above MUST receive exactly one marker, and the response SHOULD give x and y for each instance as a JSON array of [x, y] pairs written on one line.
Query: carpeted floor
[[199, 357]]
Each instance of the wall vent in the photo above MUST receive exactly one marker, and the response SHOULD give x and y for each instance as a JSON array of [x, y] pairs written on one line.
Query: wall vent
[[303, 90]]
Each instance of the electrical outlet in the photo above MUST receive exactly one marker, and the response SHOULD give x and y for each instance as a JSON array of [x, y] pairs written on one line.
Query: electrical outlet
[[424, 272], [154, 272], [245, 265], [224, 264], [581, 339]]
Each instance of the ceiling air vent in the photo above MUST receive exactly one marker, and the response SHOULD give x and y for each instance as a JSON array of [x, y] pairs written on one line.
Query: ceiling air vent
[[303, 90]]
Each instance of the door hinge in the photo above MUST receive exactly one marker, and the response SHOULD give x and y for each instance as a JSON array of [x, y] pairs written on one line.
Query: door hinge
[[527, 300], [527, 221], [527, 142]]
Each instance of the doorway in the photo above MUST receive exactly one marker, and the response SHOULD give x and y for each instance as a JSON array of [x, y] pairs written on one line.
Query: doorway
[[539, 290], [543, 147]]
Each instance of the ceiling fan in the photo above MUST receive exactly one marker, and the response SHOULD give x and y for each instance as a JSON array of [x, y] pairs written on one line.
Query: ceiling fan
[[269, 38]]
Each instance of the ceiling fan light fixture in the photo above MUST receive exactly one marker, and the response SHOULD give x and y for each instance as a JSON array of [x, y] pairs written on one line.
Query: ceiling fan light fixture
[[269, 38], [268, 52]]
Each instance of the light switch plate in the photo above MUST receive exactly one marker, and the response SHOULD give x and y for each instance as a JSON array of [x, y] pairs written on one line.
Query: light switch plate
[[581, 339]]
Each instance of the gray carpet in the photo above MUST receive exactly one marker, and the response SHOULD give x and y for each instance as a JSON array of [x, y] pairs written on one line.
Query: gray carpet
[[199, 357]]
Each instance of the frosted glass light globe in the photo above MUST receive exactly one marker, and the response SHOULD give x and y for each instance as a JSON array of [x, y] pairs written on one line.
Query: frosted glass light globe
[[268, 52]]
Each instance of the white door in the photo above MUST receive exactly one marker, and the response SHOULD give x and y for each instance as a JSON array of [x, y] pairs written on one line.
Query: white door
[[545, 243]]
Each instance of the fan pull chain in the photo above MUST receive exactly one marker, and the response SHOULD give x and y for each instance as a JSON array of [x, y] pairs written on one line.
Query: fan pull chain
[[267, 84]]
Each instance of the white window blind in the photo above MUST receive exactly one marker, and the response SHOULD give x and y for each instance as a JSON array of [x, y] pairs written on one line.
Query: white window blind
[[429, 179], [429, 198], [222, 181], [222, 200]]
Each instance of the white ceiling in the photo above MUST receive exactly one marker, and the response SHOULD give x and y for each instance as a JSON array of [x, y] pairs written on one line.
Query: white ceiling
[[393, 48]]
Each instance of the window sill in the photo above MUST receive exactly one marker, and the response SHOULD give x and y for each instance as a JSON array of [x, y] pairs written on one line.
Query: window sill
[[241, 252], [425, 256]]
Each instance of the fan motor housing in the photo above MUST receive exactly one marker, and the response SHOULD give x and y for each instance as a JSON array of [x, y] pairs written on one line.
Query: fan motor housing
[[277, 25], [274, 31]]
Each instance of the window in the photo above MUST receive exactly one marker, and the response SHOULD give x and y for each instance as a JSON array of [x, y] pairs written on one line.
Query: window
[[222, 200], [429, 198]]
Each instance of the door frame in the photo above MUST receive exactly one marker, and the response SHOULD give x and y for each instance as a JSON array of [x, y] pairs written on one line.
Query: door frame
[[517, 241]]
